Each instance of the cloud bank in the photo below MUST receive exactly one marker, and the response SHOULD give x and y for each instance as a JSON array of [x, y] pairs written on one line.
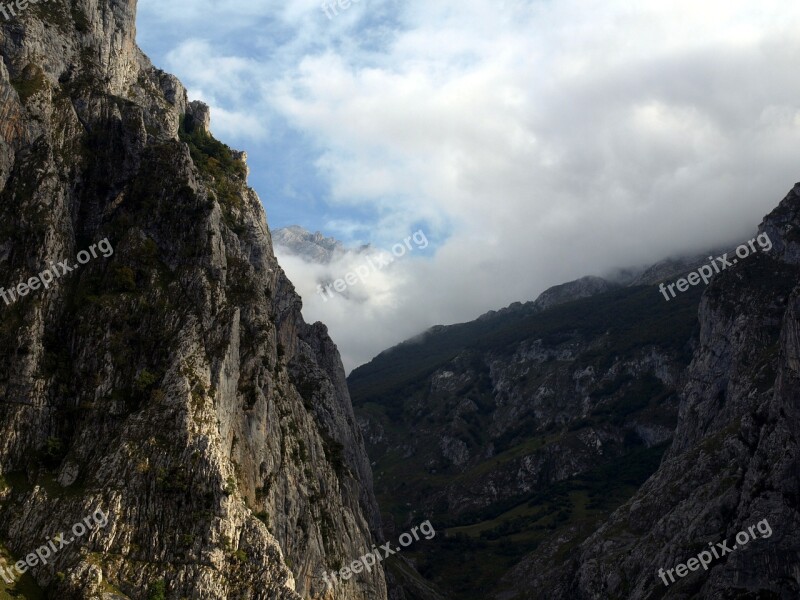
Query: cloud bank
[[535, 142]]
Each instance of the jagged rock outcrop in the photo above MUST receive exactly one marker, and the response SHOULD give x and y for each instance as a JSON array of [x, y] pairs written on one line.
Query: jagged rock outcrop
[[171, 383]]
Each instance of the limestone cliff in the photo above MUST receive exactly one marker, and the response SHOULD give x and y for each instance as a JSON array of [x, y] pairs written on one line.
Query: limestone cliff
[[173, 383], [733, 461]]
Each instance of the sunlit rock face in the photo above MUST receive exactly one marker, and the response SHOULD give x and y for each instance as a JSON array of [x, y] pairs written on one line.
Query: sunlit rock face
[[172, 383]]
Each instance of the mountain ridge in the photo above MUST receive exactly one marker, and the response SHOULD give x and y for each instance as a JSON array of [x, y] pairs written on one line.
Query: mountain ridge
[[580, 447]]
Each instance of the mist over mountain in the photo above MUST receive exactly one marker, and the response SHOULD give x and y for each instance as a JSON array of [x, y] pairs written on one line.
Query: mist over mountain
[[372, 289], [313, 260], [533, 142], [582, 445]]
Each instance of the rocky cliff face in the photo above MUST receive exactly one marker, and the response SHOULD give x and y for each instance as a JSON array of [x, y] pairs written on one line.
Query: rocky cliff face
[[172, 384], [733, 461], [573, 446], [532, 421]]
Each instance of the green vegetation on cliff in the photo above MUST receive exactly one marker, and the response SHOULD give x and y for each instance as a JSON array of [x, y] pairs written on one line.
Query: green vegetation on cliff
[[447, 446]]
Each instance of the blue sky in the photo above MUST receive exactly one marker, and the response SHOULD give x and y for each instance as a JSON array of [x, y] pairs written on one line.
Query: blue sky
[[533, 141], [268, 38]]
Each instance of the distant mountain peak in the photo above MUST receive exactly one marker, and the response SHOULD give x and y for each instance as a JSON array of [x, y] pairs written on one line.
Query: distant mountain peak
[[311, 247]]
